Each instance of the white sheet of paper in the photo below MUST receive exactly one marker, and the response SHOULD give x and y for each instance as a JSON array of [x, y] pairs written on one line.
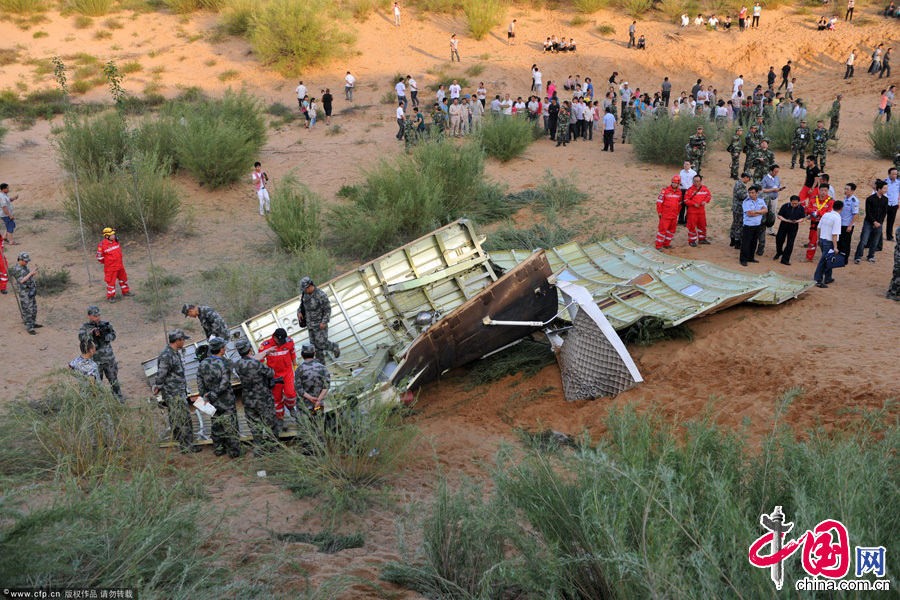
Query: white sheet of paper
[[204, 406]]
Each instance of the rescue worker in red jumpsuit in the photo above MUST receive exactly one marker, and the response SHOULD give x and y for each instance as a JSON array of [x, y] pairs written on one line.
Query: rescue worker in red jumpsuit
[[668, 204], [696, 198], [282, 358], [109, 252], [818, 203], [4, 276]]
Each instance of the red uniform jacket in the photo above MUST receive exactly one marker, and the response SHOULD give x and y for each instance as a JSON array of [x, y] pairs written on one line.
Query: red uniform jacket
[[668, 203], [281, 360], [816, 207], [110, 254], [694, 196]]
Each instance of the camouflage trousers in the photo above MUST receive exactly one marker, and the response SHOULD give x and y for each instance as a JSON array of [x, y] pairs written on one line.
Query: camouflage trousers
[[735, 164], [180, 421], [626, 132], [894, 288], [795, 153], [261, 420], [110, 370], [319, 339], [225, 432], [29, 310], [737, 221], [819, 156]]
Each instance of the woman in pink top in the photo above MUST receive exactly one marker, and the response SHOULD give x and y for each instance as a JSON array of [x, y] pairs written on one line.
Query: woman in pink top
[[551, 89], [882, 104]]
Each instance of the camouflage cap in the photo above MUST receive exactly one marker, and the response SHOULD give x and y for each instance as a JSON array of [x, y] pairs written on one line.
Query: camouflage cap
[[185, 308], [243, 346], [24, 256], [305, 283], [307, 350], [94, 311], [177, 334], [216, 344]]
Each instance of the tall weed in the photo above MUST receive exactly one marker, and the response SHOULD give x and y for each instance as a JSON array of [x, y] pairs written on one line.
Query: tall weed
[[507, 137], [590, 6], [885, 138], [662, 141], [636, 8], [295, 216], [239, 289], [236, 15], [22, 6], [92, 8], [483, 15]]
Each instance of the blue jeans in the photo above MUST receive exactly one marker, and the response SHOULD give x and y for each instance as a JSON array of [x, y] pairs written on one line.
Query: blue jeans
[[823, 271], [868, 236], [404, 101]]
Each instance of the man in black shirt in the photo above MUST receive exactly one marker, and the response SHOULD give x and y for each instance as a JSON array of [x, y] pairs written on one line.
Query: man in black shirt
[[791, 214], [785, 75], [770, 78], [327, 100], [812, 178], [876, 211], [697, 87]]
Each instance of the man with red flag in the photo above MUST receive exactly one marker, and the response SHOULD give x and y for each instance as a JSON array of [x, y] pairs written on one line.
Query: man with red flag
[[696, 198], [109, 253], [668, 203]]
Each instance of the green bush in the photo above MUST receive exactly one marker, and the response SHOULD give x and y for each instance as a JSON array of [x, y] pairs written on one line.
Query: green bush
[[435, 184], [158, 137], [437, 6], [313, 262], [662, 141], [92, 145], [539, 235], [53, 282], [156, 290], [183, 6], [885, 138], [212, 5], [590, 6], [483, 15], [239, 289], [554, 194], [92, 8], [362, 8], [506, 138], [636, 8], [21, 6], [293, 35], [236, 15], [41, 103], [119, 198], [606, 29], [295, 216], [220, 138]]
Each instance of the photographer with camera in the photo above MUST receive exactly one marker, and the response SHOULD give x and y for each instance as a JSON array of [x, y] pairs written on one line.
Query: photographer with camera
[[257, 382], [102, 334], [27, 290]]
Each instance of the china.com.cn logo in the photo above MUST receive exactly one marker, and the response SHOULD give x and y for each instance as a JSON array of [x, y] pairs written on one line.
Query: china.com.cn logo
[[825, 553]]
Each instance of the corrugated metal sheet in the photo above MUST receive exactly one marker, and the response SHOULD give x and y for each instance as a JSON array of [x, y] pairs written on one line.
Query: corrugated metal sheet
[[629, 281]]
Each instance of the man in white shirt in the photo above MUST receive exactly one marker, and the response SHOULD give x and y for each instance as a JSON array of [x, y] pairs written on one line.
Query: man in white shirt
[[625, 93], [685, 21], [455, 90], [738, 83], [455, 114], [893, 195], [829, 232], [799, 113], [301, 93], [413, 90], [396, 15], [401, 93], [476, 109], [538, 80], [348, 86], [687, 180], [506, 106], [400, 112], [609, 131], [850, 60], [496, 106]]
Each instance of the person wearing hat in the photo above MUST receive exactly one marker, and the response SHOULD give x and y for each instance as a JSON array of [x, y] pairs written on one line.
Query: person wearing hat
[[696, 150], [734, 149], [668, 203], [257, 382], [799, 142], [762, 160], [313, 379], [314, 314], [27, 289], [109, 254], [738, 195], [213, 324], [171, 384], [214, 385], [835, 115], [751, 144], [102, 334], [753, 208], [282, 358]]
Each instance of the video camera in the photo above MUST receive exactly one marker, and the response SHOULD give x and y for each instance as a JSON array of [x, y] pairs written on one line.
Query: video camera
[[102, 329]]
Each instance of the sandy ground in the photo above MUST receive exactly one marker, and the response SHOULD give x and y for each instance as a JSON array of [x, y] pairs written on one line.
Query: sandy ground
[[837, 343]]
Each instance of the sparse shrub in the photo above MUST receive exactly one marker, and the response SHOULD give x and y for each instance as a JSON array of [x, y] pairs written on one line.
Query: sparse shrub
[[295, 216], [578, 21], [606, 29], [92, 8], [228, 75], [113, 24], [885, 138], [102, 34], [8, 56], [83, 22], [21, 6], [334, 130], [81, 86], [212, 5], [132, 66], [156, 290], [483, 15], [662, 141], [239, 289], [589, 6], [539, 235], [117, 199], [524, 360], [183, 6], [402, 199], [636, 8], [554, 194], [362, 8], [40, 34], [475, 70], [292, 35], [648, 331], [236, 15], [53, 282], [314, 262], [672, 9], [506, 138], [438, 6]]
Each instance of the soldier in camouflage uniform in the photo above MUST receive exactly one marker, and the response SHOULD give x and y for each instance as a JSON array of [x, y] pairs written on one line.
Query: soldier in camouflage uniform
[[102, 334], [314, 314], [835, 114], [27, 290], [257, 381], [409, 132], [751, 143], [214, 384], [438, 121], [562, 131], [171, 383], [696, 148], [762, 161], [213, 324], [768, 115], [820, 139], [629, 116], [893, 292], [739, 194], [313, 379], [734, 149], [799, 142]]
